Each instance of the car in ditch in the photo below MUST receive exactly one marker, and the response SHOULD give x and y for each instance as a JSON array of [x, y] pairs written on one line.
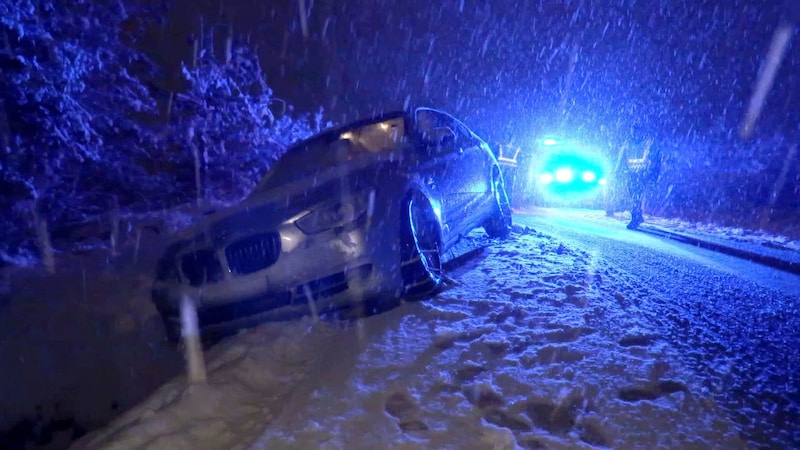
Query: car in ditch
[[363, 211]]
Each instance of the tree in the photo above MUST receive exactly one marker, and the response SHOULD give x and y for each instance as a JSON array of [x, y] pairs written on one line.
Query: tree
[[72, 103], [229, 122], [70, 100]]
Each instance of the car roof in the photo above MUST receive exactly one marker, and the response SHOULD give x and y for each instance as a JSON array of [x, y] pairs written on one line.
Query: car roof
[[337, 131]]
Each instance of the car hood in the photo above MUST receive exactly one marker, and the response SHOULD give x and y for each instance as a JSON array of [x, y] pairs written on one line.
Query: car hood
[[269, 209]]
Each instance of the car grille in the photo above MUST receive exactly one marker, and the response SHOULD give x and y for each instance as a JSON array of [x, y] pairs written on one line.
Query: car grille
[[253, 253], [330, 285], [201, 267]]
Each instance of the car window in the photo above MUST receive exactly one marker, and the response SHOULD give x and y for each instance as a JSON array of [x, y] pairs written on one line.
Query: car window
[[463, 135], [335, 148], [430, 123], [378, 137]]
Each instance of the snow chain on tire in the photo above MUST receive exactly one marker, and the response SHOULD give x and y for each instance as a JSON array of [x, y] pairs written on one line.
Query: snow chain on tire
[[419, 280]]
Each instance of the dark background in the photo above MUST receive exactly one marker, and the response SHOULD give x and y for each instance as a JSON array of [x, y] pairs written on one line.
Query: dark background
[[669, 68]]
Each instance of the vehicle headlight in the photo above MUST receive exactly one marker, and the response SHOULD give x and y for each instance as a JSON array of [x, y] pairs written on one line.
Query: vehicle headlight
[[546, 178], [564, 175], [338, 213], [588, 176]]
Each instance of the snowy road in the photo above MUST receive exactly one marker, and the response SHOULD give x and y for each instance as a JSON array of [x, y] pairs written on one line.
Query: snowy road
[[538, 344], [736, 323]]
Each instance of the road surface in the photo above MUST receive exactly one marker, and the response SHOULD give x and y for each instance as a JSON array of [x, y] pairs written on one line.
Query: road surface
[[736, 322]]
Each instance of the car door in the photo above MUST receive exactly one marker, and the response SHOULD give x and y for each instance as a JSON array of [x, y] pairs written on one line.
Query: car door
[[442, 170], [475, 175]]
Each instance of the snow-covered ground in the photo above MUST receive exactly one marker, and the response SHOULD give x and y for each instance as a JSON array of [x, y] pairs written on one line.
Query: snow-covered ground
[[734, 234], [535, 345], [87, 342]]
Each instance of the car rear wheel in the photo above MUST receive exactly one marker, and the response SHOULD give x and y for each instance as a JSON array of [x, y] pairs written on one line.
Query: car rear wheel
[[499, 224], [421, 262]]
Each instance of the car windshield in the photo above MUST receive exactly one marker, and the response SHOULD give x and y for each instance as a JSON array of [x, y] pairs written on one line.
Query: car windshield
[[335, 148]]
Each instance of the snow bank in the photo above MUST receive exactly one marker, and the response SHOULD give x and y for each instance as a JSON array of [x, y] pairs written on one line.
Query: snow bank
[[733, 233], [699, 229], [736, 234], [536, 345], [250, 378]]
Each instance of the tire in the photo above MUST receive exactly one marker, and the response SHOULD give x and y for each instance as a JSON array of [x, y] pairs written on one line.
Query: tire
[[421, 260], [500, 223], [171, 331]]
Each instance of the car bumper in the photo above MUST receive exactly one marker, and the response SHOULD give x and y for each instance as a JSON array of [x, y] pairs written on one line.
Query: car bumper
[[569, 194], [321, 295], [312, 273]]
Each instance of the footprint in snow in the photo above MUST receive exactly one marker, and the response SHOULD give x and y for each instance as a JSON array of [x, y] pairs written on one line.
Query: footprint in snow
[[445, 338], [505, 419], [550, 354], [403, 407], [505, 312], [578, 300], [552, 277], [555, 418], [412, 425], [483, 396], [572, 412], [567, 334], [621, 300], [651, 391], [573, 289], [497, 348], [637, 340], [468, 372], [591, 430]]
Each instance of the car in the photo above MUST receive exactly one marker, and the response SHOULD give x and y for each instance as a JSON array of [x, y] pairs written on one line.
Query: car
[[363, 211], [568, 174]]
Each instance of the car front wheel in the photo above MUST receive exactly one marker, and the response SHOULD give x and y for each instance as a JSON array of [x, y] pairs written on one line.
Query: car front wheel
[[421, 262], [172, 329], [499, 224]]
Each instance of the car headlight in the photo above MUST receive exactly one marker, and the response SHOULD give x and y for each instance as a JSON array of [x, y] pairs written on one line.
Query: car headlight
[[564, 175], [337, 213], [588, 176]]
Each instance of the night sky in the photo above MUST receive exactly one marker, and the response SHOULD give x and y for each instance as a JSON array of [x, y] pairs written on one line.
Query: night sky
[[670, 68]]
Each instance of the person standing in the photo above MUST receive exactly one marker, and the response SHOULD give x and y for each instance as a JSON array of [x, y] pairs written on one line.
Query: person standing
[[642, 175], [616, 185], [507, 157]]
